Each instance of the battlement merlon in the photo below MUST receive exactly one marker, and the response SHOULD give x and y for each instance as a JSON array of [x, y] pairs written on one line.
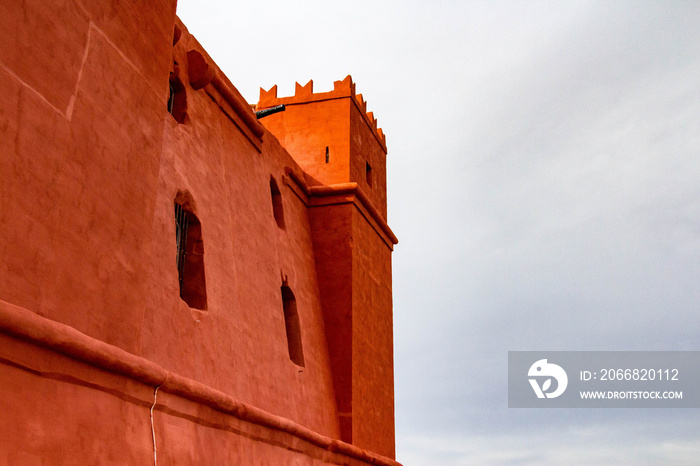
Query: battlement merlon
[[305, 94]]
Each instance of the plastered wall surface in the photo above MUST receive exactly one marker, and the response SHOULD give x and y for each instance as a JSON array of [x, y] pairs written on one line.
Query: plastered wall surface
[[94, 333]]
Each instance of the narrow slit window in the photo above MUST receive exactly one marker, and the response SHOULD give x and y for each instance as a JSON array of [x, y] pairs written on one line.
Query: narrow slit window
[[291, 322], [177, 100], [181, 225], [368, 174], [190, 258], [277, 209]]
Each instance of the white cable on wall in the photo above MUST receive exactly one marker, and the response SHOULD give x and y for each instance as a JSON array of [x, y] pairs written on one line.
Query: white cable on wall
[[153, 430]]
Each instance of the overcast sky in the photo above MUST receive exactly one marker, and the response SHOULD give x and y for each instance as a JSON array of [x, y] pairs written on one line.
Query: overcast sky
[[544, 183]]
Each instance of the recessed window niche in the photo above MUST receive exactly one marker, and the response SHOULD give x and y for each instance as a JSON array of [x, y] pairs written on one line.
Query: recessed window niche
[[291, 322], [190, 253], [177, 100], [277, 209]]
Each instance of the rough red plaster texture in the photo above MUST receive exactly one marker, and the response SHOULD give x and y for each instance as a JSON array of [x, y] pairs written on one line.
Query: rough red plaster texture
[[91, 318]]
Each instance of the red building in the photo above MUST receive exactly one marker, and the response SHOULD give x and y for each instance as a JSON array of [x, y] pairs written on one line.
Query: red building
[[181, 282]]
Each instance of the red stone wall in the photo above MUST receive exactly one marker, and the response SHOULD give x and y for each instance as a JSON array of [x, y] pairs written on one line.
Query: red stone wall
[[91, 320], [373, 355], [238, 344], [334, 257], [308, 148], [82, 124], [368, 147]]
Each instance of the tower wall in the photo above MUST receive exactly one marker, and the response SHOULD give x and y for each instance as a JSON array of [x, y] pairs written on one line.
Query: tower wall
[[347, 197], [339, 122], [373, 349]]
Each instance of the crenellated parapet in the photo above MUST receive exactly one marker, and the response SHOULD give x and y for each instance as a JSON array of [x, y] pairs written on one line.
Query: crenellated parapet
[[305, 94]]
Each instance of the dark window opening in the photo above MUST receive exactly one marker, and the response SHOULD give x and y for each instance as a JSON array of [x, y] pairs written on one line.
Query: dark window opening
[[291, 322], [190, 257], [277, 209], [177, 101], [368, 174], [171, 99], [328, 155]]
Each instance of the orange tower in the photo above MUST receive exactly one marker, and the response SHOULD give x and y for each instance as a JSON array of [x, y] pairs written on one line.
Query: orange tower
[[343, 154]]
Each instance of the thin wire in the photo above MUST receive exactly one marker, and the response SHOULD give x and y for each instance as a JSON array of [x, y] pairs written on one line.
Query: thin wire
[[153, 430]]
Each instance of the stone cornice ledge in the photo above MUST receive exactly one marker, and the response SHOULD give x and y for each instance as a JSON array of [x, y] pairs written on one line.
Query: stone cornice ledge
[[21, 323], [203, 71], [341, 189]]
